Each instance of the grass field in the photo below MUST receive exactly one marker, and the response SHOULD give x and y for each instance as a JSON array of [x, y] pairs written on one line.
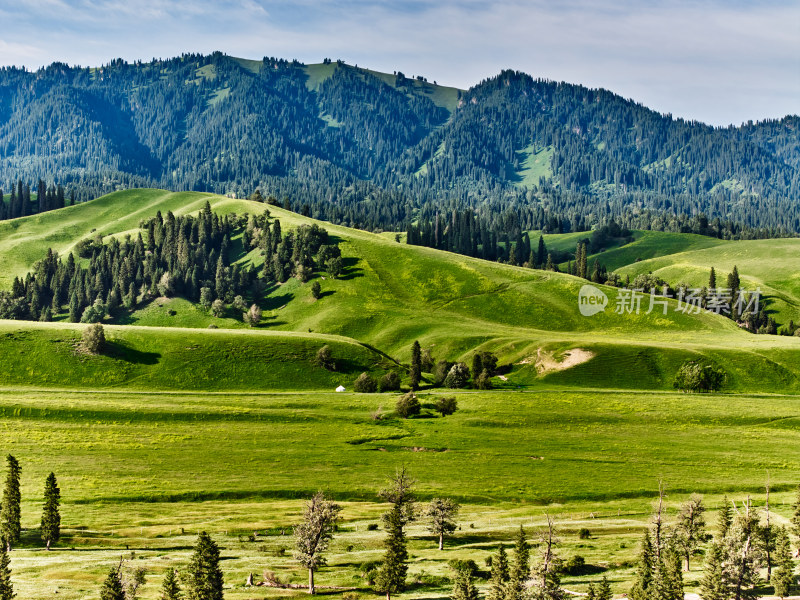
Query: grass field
[[137, 468]]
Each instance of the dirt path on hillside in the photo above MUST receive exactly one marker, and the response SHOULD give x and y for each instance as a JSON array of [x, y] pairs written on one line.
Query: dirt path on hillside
[[545, 362]]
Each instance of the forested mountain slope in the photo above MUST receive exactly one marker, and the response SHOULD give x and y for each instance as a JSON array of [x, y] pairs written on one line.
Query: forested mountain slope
[[377, 150]]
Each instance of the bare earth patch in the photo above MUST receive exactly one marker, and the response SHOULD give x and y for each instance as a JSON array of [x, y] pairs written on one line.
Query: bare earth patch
[[547, 363]]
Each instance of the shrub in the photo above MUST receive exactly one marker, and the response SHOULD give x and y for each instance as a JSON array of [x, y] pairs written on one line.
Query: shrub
[[694, 376], [325, 358], [372, 527], [389, 382], [94, 338], [483, 381], [584, 534], [253, 316], [238, 303], [365, 384], [408, 405], [316, 290], [94, 313], [440, 371], [217, 308], [575, 565], [206, 297], [457, 377], [463, 566], [446, 406]]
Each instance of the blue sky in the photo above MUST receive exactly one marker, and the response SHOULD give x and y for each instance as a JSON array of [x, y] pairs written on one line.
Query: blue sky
[[715, 61]]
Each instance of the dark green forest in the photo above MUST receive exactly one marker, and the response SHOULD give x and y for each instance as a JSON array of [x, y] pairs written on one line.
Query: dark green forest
[[380, 151]]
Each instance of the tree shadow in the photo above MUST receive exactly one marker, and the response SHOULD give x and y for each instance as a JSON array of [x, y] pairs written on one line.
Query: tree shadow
[[276, 302], [350, 270], [121, 351]]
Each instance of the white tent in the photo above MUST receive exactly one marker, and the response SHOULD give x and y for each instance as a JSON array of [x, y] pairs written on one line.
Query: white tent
[[340, 388]]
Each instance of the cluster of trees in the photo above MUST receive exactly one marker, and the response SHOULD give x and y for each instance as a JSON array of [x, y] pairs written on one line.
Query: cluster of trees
[[11, 520], [21, 204], [185, 256], [696, 376], [377, 152]]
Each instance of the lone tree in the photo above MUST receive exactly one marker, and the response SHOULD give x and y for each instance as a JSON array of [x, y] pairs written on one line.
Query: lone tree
[[415, 374], [112, 587], [391, 578], [408, 405], [314, 534], [51, 519], [324, 358], [94, 338], [205, 576], [442, 513], [6, 589], [253, 315], [316, 290], [170, 589], [691, 527], [365, 384], [10, 527]]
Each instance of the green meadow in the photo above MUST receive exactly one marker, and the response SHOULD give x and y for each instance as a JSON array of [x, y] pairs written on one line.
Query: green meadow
[[188, 422]]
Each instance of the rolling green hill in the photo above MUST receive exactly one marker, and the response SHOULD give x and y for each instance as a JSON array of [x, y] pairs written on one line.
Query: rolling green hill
[[392, 294]]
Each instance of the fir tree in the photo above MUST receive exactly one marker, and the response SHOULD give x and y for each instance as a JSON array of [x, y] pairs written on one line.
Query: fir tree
[[796, 513], [205, 576], [498, 581], [112, 587], [464, 585], [10, 526], [725, 518], [170, 589], [644, 570], [51, 519], [604, 590], [713, 586], [784, 579], [712, 280], [416, 365], [6, 588], [520, 570], [391, 578]]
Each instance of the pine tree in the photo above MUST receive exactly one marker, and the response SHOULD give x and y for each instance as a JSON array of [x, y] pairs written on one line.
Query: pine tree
[[713, 586], [442, 513], [391, 578], [498, 581], [10, 526], [112, 587], [591, 593], [6, 588], [604, 590], [205, 575], [170, 589], [644, 570], [784, 579], [725, 517], [415, 373], [51, 519], [691, 526], [464, 586], [796, 513], [668, 577], [712, 280], [541, 253], [520, 570]]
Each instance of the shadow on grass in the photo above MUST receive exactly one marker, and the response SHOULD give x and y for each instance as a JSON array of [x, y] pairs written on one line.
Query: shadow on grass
[[121, 351], [350, 270]]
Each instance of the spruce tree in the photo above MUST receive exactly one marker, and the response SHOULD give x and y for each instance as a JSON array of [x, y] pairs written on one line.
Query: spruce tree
[[541, 253], [391, 578], [725, 518], [415, 373], [591, 593], [712, 280], [796, 513], [783, 580], [51, 518], [520, 570], [112, 587], [170, 589], [644, 570], [713, 586], [464, 586], [604, 590], [6, 588], [10, 526], [205, 576], [498, 581]]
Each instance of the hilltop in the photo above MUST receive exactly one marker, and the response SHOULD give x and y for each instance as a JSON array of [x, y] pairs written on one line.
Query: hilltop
[[377, 149]]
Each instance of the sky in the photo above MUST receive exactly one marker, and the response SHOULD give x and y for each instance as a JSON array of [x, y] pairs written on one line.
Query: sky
[[715, 61]]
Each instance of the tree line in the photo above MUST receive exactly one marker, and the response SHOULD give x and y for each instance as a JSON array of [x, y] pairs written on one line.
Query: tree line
[[21, 203]]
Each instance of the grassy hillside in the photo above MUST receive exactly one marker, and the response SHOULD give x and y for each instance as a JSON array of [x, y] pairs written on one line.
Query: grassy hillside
[[392, 294], [771, 265]]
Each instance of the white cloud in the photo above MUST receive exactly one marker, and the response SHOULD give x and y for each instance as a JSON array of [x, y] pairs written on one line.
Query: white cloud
[[716, 61]]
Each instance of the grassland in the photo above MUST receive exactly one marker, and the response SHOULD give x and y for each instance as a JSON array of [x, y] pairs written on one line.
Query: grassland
[[144, 471]]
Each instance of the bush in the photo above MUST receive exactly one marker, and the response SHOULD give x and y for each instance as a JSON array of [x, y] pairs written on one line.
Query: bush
[[389, 382], [457, 377], [372, 527], [365, 384], [316, 290], [217, 308], [440, 371], [463, 566], [325, 358], [694, 376], [483, 381], [94, 338], [575, 565], [408, 405], [253, 316], [94, 313], [446, 406], [584, 534]]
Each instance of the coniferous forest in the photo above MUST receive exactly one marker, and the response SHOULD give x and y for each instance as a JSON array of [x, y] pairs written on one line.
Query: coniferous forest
[[379, 151]]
